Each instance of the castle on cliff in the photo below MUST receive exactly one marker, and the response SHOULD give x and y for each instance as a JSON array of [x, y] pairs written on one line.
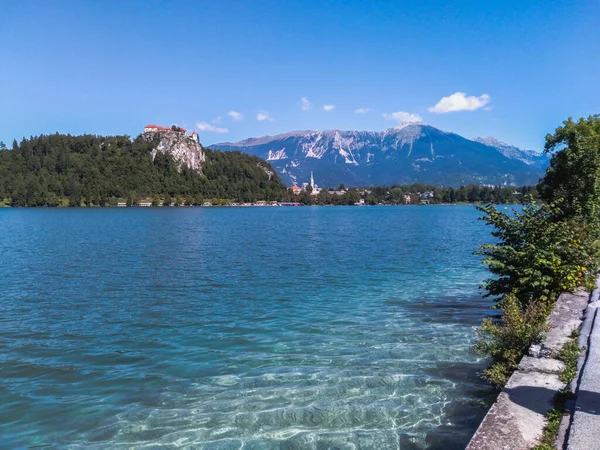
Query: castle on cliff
[[174, 129]]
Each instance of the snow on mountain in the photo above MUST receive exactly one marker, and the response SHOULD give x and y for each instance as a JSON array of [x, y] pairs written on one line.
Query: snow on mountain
[[275, 155], [410, 153]]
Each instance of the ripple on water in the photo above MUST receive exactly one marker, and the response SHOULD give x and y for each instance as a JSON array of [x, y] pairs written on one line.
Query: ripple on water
[[268, 328]]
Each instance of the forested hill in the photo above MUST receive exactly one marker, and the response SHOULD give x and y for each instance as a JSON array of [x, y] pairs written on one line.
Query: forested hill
[[60, 169]]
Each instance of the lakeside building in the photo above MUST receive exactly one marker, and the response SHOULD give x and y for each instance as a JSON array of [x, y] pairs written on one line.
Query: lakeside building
[[407, 199], [296, 189], [427, 196]]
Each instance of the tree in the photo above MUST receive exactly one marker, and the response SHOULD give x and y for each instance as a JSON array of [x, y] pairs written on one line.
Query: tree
[[306, 198], [42, 169], [572, 181], [396, 195], [371, 199], [132, 198], [544, 250], [323, 197], [350, 197]]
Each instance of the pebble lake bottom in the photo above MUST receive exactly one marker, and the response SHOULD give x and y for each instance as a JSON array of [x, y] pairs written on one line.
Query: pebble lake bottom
[[231, 328]]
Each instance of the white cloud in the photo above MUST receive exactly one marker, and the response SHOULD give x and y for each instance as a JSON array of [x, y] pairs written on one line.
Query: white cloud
[[328, 107], [460, 102], [362, 110], [203, 126], [264, 115], [217, 120], [305, 105], [235, 115], [403, 117]]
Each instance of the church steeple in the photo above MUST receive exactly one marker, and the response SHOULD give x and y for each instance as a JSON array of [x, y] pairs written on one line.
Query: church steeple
[[312, 180]]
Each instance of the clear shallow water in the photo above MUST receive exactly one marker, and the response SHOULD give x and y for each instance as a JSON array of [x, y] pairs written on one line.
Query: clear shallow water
[[254, 328]]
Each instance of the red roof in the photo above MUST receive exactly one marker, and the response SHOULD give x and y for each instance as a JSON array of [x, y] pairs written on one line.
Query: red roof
[[159, 127]]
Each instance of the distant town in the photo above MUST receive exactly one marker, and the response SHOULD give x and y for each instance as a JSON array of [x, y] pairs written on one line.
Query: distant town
[[311, 194]]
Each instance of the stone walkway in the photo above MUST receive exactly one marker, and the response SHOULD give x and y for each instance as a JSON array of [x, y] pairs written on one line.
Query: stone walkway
[[584, 430], [517, 419]]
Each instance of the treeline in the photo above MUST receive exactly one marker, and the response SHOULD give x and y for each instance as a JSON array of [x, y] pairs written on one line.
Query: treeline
[[415, 193], [89, 170], [61, 170]]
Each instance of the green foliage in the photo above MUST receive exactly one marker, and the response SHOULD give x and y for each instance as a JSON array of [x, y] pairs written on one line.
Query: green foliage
[[573, 178], [553, 419], [394, 195], [508, 339], [538, 256], [569, 354], [91, 170], [542, 251]]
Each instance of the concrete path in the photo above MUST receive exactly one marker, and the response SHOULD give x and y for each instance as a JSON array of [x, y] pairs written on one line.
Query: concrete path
[[517, 419], [584, 432]]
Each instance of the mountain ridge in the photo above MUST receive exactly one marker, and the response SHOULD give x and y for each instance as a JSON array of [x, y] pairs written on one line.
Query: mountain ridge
[[530, 157], [406, 154]]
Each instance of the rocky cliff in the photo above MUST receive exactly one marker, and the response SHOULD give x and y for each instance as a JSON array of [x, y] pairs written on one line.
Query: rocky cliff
[[183, 148]]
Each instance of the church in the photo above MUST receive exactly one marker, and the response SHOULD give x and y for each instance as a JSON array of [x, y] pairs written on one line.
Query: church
[[314, 188]]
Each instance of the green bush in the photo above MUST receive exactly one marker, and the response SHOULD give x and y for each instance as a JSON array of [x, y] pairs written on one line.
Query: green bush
[[537, 256], [543, 251], [507, 339]]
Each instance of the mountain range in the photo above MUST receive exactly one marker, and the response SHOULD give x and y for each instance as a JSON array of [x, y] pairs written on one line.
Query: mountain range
[[410, 153]]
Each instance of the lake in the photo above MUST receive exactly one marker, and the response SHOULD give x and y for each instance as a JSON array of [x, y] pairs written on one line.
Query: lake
[[251, 328]]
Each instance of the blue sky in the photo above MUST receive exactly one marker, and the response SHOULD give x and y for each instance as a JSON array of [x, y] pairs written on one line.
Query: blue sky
[[112, 67]]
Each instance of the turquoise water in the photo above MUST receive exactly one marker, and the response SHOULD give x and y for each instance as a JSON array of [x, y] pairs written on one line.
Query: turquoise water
[[227, 328]]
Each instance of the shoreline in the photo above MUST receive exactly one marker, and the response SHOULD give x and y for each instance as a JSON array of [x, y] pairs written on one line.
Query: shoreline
[[253, 205]]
